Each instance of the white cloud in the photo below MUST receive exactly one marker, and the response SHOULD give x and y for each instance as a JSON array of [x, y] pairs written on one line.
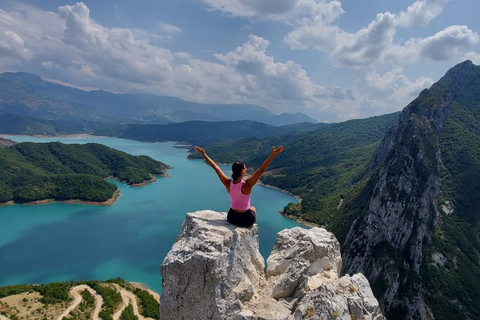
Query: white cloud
[[447, 43], [48, 65], [375, 44], [280, 10], [258, 74], [319, 36], [13, 45], [367, 45], [388, 92], [168, 28], [183, 55], [473, 56], [402, 87], [420, 13]]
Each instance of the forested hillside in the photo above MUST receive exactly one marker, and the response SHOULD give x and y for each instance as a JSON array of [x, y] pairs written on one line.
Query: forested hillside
[[38, 171], [203, 132], [25, 125]]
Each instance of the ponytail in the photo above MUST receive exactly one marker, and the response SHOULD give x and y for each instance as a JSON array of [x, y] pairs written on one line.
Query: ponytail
[[237, 168]]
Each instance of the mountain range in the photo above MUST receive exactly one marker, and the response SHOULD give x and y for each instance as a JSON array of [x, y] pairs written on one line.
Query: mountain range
[[27, 95]]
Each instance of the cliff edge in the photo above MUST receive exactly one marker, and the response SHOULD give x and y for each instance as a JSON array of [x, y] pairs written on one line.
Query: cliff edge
[[215, 271]]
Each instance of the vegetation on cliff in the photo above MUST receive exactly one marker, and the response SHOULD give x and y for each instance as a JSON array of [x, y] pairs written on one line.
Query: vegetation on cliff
[[452, 267], [39, 171]]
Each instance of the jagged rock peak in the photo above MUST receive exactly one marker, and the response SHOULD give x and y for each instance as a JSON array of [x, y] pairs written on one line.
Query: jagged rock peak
[[215, 271]]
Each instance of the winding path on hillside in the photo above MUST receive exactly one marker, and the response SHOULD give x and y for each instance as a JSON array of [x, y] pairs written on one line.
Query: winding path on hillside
[[127, 298], [75, 292]]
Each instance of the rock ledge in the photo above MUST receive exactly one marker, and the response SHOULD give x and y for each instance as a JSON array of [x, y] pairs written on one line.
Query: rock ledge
[[215, 271]]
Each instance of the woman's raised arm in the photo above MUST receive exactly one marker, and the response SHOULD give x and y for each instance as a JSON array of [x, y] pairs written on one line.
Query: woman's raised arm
[[221, 175], [250, 182]]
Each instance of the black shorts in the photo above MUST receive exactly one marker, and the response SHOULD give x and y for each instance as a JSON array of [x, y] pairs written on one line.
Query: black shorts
[[241, 219]]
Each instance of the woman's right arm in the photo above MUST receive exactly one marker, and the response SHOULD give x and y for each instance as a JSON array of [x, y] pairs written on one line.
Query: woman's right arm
[[221, 175]]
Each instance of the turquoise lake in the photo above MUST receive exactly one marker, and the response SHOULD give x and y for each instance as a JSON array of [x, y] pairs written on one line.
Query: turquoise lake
[[129, 239]]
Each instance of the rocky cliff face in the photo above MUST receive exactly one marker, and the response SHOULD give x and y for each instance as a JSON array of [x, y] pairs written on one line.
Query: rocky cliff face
[[404, 238], [215, 271], [387, 243]]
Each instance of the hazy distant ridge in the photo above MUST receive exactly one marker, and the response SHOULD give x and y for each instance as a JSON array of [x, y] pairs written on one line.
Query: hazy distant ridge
[[28, 95]]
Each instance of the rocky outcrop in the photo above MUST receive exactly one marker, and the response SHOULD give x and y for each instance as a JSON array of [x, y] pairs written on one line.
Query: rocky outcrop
[[215, 271]]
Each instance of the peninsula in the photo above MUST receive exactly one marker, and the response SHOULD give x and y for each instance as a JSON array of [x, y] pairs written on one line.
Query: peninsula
[[36, 173]]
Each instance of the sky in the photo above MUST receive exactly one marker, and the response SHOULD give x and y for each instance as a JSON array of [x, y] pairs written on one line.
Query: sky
[[331, 60]]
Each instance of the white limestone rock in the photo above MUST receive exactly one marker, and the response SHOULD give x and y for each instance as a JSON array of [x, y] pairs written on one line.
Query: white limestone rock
[[212, 268], [215, 271]]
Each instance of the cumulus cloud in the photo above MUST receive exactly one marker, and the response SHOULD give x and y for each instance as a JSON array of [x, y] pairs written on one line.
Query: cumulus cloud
[[385, 93], [21, 36], [367, 45], [316, 35], [80, 46], [380, 85], [420, 13], [375, 44], [473, 56], [112, 52], [13, 45], [446, 43], [258, 73], [280, 10]]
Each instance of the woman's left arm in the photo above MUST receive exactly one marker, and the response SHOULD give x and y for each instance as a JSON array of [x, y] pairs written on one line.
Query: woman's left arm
[[250, 182]]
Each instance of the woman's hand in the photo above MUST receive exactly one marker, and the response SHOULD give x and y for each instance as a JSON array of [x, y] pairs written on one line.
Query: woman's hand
[[277, 151], [200, 150]]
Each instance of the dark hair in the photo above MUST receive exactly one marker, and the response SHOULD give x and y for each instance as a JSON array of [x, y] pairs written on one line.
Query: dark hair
[[237, 168]]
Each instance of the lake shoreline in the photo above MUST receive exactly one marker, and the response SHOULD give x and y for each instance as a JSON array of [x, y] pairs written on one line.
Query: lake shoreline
[[260, 183], [108, 202], [298, 220]]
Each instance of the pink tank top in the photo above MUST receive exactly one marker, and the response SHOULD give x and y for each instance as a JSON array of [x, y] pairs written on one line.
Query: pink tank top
[[238, 200]]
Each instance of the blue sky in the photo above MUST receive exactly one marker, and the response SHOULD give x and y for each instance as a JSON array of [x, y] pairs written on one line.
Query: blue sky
[[332, 60]]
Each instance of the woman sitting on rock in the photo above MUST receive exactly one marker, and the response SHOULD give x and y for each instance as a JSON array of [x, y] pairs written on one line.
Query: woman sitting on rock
[[241, 213]]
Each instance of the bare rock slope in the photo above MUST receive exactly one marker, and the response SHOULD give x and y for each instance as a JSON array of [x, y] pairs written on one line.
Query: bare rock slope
[[215, 271]]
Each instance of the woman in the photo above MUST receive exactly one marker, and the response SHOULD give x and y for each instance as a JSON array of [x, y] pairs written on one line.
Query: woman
[[241, 213]]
